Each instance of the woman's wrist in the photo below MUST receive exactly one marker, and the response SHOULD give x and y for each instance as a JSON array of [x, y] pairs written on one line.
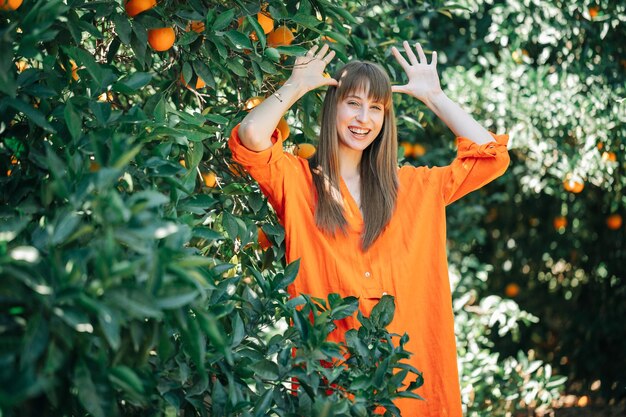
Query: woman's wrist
[[435, 100]]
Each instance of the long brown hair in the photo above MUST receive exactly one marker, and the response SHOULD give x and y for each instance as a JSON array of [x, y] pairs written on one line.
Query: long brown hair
[[379, 162]]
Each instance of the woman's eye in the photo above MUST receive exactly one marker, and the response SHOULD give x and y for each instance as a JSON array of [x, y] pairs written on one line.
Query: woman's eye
[[353, 103], [377, 108]]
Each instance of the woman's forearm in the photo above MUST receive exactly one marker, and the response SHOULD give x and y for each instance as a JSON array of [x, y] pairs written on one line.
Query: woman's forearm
[[257, 127], [457, 119]]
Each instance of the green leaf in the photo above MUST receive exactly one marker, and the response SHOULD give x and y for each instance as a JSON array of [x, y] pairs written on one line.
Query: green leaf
[[72, 120], [258, 29], [265, 369], [66, 224], [272, 53], [176, 301], [217, 119], [291, 271], [204, 72], [88, 391], [238, 39], [127, 379], [223, 20], [29, 111], [133, 83], [383, 312], [122, 27]]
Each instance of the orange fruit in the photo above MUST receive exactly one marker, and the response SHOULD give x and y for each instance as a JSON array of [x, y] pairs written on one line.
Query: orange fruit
[[283, 127], [418, 150], [304, 150], [134, 7], [196, 25], [511, 290], [609, 156], [199, 83], [74, 69], [573, 184], [328, 39], [94, 166], [583, 401], [10, 4], [22, 64], [252, 102], [264, 242], [182, 162], [408, 149], [326, 75], [593, 11], [614, 221], [236, 170], [266, 21], [600, 145], [161, 39], [14, 161], [281, 36], [560, 222], [210, 179]]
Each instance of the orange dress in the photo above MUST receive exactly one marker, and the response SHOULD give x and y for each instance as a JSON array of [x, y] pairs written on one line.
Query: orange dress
[[408, 260]]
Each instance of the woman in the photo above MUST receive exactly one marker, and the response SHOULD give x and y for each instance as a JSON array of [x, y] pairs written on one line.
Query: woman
[[361, 225]]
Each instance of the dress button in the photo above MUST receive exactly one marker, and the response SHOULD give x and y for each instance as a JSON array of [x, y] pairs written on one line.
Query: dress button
[[367, 274]]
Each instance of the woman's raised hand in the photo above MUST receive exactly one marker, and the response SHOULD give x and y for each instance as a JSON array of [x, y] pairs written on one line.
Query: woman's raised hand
[[423, 79], [308, 71]]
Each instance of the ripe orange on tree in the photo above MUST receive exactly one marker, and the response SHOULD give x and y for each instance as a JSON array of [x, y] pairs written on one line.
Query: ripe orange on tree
[[161, 39], [22, 64], [210, 179], [265, 21], [196, 25], [418, 150], [94, 166], [408, 149], [134, 7], [573, 184], [593, 11], [304, 150], [10, 4], [284, 128], [609, 156], [252, 102], [281, 36], [614, 221], [74, 70], [264, 242], [511, 290], [199, 83], [560, 222]]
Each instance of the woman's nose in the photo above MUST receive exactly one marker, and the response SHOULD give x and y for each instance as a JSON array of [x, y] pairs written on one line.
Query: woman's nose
[[362, 115]]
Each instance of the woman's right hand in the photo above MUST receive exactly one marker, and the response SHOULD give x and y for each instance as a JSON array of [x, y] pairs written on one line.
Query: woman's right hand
[[308, 71]]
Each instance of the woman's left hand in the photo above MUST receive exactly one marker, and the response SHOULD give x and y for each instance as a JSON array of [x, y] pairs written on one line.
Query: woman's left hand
[[423, 78]]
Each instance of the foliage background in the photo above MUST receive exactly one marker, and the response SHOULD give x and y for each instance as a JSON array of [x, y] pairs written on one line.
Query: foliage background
[[130, 287]]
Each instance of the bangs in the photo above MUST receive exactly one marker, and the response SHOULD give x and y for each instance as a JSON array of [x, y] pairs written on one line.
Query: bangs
[[365, 77]]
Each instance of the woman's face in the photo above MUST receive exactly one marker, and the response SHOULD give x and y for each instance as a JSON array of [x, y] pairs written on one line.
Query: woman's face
[[359, 120]]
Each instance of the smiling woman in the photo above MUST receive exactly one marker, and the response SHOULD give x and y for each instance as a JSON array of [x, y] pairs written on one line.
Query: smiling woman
[[359, 224]]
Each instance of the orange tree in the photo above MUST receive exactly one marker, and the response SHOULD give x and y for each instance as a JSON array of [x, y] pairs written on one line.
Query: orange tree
[[132, 282]]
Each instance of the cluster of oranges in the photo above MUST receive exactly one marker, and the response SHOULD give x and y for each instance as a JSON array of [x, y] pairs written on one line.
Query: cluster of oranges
[[613, 222], [159, 39], [413, 150], [280, 36]]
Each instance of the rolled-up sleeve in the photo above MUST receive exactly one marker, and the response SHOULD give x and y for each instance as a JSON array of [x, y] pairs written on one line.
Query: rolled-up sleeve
[[474, 166], [267, 167]]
